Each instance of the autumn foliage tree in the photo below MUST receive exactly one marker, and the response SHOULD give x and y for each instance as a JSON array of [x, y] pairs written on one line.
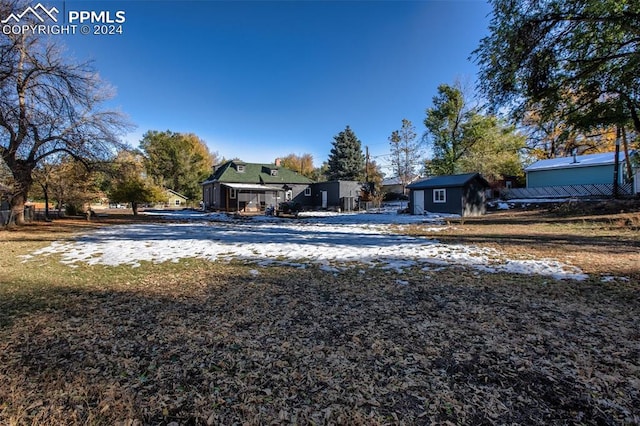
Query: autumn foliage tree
[[178, 161], [68, 183], [302, 164], [129, 182]]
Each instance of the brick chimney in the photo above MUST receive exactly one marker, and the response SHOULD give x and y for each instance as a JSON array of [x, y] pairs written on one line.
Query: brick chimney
[[278, 162]]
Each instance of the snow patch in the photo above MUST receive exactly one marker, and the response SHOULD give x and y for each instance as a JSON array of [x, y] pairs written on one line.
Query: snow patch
[[334, 242]]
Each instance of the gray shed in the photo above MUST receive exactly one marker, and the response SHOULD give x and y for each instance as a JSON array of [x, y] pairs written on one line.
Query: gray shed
[[463, 194], [337, 194]]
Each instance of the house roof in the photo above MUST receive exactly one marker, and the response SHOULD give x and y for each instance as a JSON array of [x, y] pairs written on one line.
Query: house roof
[[177, 194], [255, 173], [447, 181], [397, 181], [589, 160]]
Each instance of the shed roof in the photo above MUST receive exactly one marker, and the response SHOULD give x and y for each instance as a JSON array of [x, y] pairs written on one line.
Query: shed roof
[[589, 160], [256, 173], [447, 181]]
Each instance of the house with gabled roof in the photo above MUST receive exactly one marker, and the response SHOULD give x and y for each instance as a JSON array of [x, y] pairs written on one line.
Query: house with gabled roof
[[463, 194], [237, 186], [175, 200]]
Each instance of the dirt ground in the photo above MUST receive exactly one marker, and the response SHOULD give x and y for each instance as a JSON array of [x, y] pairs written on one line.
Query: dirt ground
[[601, 244], [201, 343]]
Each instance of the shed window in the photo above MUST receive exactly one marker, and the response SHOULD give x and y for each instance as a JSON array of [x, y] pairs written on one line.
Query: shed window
[[177, 202], [232, 193], [307, 191], [439, 195]]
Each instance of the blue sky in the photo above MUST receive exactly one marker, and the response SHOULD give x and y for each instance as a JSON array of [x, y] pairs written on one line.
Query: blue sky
[[258, 80]]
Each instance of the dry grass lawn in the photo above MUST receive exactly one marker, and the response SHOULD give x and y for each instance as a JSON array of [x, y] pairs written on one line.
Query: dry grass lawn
[[206, 343]]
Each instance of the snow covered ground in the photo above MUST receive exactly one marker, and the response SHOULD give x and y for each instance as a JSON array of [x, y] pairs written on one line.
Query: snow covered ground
[[331, 240]]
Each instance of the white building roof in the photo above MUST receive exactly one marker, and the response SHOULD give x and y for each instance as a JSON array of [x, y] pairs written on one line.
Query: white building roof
[[588, 160]]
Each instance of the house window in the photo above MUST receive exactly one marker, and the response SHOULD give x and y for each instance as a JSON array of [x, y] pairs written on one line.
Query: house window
[[439, 195], [240, 169], [274, 172], [232, 193], [307, 191]]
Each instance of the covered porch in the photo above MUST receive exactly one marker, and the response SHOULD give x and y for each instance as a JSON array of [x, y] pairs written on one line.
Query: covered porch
[[251, 198]]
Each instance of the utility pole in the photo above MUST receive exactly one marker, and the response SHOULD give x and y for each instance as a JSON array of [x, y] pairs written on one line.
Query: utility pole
[[616, 164], [366, 165]]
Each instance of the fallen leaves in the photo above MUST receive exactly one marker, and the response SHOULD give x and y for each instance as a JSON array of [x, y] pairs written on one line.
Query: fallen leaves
[[209, 343], [287, 346]]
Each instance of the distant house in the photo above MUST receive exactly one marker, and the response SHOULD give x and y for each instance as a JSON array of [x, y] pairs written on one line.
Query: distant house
[[333, 195], [175, 200], [393, 188], [237, 186], [588, 169], [463, 194], [505, 183]]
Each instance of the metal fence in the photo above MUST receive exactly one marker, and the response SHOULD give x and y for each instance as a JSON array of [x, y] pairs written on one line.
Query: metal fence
[[30, 214], [568, 191]]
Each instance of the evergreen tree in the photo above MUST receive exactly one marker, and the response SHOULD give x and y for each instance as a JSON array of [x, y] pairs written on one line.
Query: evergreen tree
[[346, 161]]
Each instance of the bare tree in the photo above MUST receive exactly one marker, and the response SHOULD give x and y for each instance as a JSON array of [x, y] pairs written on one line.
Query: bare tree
[[49, 106], [405, 152]]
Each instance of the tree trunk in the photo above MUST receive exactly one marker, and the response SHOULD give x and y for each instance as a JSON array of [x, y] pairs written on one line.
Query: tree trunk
[[17, 207], [45, 190], [23, 180], [634, 115], [134, 207]]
